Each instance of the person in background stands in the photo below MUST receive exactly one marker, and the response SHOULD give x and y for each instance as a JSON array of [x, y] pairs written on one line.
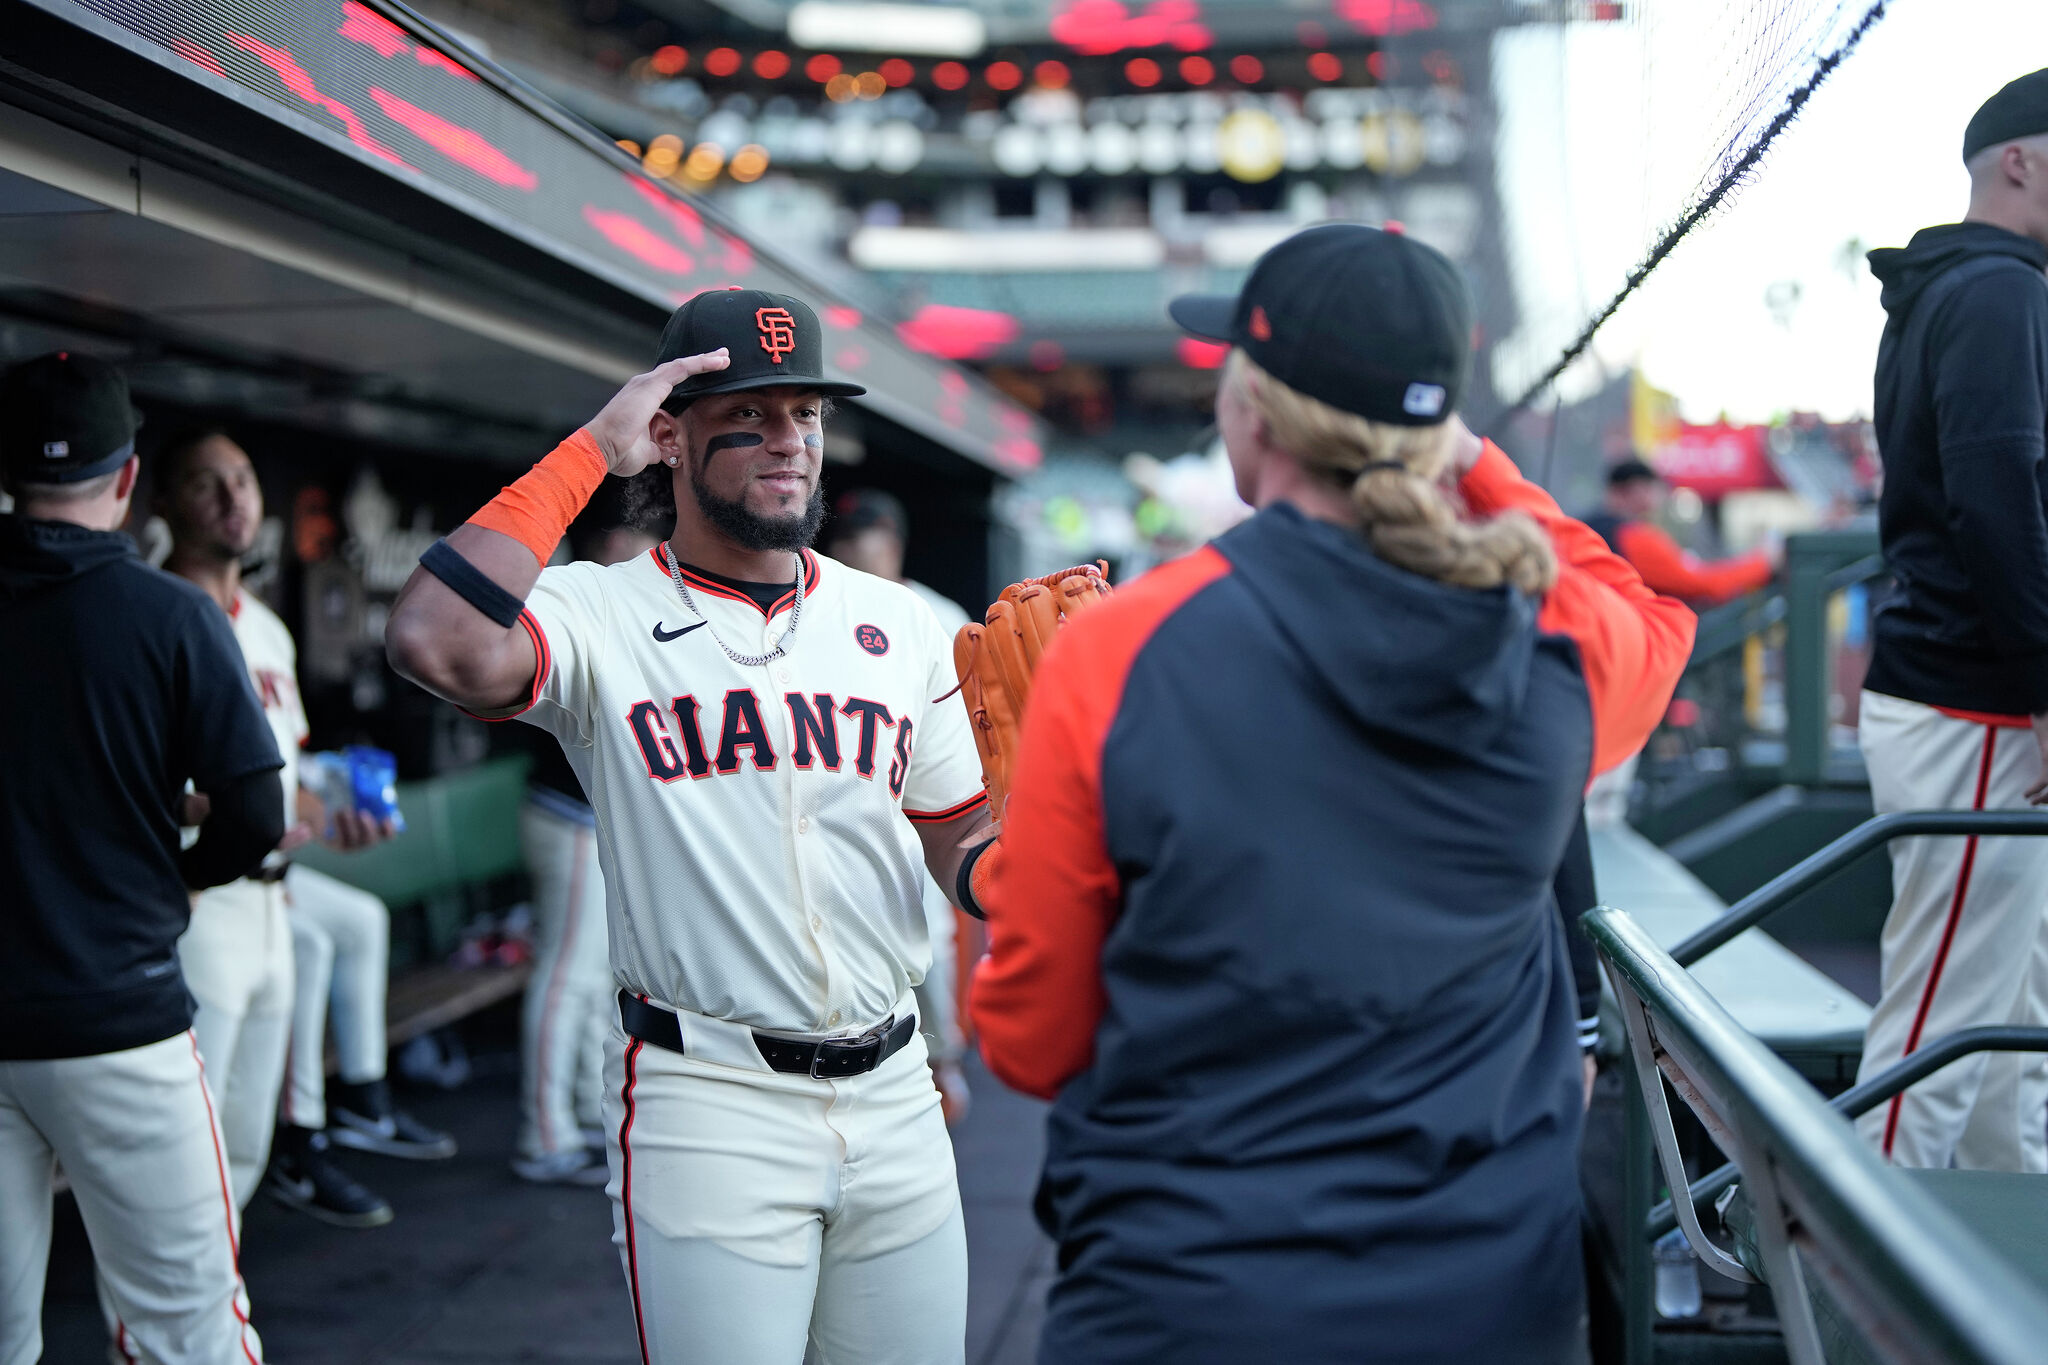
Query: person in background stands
[[268, 954], [126, 685], [1627, 522], [569, 1007], [869, 531], [1954, 712]]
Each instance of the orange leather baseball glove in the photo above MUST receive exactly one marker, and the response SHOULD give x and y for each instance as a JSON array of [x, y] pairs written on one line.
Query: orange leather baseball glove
[[995, 661]]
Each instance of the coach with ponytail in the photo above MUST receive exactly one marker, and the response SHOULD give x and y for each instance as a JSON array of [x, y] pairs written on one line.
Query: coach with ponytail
[[1271, 914]]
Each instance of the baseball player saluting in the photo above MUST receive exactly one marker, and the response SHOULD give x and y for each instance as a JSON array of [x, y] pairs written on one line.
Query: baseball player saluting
[[757, 730]]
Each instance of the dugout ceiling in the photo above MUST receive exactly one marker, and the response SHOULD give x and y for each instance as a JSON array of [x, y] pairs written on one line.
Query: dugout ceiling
[[326, 213]]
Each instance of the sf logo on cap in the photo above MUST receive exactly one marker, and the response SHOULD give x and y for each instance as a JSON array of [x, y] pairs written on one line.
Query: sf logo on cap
[[778, 332]]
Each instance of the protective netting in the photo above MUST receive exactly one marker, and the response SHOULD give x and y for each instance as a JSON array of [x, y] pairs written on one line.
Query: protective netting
[[1692, 95]]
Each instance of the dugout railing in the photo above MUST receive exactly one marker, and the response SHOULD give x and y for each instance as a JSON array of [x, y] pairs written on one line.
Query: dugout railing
[[1865, 1262], [1643, 1143]]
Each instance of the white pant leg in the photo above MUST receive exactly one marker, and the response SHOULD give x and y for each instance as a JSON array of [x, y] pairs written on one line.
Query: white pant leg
[[237, 960], [905, 1307], [26, 1166], [2008, 1129], [137, 1137], [343, 934], [569, 999], [735, 1191], [1966, 918]]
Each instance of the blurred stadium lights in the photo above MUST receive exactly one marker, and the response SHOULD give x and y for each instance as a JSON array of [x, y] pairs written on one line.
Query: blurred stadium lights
[[925, 30]]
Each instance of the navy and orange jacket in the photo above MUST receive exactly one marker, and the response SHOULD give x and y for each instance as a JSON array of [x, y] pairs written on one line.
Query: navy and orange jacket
[[1284, 946], [1667, 567]]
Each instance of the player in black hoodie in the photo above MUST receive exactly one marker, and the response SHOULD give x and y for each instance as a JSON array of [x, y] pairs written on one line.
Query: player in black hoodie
[[1955, 707], [121, 685]]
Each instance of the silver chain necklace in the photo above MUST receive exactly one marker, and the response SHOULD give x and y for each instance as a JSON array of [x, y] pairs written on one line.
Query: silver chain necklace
[[796, 610]]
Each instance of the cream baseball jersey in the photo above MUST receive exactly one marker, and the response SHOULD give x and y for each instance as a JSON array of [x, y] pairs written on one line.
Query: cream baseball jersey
[[755, 823], [273, 663]]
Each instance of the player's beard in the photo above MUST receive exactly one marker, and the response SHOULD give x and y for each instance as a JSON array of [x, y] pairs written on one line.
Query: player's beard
[[752, 531]]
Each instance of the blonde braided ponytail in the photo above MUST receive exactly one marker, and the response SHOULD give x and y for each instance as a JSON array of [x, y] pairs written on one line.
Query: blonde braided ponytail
[[1406, 516]]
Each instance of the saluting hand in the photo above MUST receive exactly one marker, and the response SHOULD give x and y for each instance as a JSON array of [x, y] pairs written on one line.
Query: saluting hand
[[621, 429]]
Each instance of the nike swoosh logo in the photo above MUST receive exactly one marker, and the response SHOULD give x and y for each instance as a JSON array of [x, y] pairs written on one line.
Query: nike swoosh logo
[[664, 636]]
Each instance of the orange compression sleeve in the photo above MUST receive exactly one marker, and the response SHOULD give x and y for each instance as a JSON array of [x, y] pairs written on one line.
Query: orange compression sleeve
[[536, 508], [1668, 569]]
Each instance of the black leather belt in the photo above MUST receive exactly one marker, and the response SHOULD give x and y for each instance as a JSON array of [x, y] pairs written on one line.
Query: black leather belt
[[823, 1059]]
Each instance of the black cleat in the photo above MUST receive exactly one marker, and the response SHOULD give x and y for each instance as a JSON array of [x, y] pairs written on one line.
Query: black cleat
[[363, 1117], [305, 1176]]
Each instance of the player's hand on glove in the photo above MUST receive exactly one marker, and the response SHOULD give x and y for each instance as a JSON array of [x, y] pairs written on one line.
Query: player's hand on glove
[[995, 663], [621, 430]]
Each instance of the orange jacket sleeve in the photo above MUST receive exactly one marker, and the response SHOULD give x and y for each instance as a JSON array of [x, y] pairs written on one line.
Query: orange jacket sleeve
[[1633, 644], [1051, 893], [1668, 569]]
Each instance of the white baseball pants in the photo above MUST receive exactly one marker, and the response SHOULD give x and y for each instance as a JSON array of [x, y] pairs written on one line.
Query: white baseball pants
[[757, 1212], [136, 1134], [237, 959], [937, 1011], [341, 953], [1966, 943], [569, 999]]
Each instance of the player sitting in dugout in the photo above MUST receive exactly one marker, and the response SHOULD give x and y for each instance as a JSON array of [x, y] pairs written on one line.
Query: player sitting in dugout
[[1627, 521], [1270, 915]]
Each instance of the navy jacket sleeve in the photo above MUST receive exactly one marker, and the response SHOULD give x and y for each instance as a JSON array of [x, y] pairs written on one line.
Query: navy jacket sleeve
[[1991, 418], [220, 731]]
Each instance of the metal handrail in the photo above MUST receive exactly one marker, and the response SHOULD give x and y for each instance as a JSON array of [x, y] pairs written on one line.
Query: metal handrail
[[1873, 833], [1861, 1099], [1916, 1282]]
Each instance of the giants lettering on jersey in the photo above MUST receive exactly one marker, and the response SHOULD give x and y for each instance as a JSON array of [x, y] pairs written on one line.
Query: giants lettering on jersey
[[672, 739]]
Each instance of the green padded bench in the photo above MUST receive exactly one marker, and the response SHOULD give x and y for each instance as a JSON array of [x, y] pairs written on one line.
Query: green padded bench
[[1866, 1263], [1800, 1013], [461, 831]]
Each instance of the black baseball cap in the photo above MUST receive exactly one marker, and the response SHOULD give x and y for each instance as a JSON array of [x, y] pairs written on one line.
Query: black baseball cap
[[1631, 470], [772, 340], [1372, 322], [2019, 109], [65, 418]]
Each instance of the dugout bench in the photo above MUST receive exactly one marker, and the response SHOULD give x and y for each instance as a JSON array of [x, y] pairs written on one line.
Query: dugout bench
[[1866, 1262], [461, 839]]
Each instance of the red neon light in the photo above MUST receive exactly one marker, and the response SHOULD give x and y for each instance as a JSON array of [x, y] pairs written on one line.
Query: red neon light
[[839, 315], [1052, 75], [434, 57], [1324, 66], [1387, 18], [635, 238], [771, 65], [1197, 70], [670, 60], [1247, 69], [1004, 75], [456, 142], [361, 24], [295, 79], [822, 67], [1142, 72], [1096, 28], [199, 56], [1016, 450], [897, 72], [721, 61], [956, 334], [682, 219], [949, 75]]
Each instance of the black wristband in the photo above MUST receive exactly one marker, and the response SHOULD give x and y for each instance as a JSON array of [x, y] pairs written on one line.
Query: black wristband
[[963, 882], [470, 583]]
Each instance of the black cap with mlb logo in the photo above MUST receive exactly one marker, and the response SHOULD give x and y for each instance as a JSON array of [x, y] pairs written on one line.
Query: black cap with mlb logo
[[1372, 322], [64, 418], [773, 339]]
